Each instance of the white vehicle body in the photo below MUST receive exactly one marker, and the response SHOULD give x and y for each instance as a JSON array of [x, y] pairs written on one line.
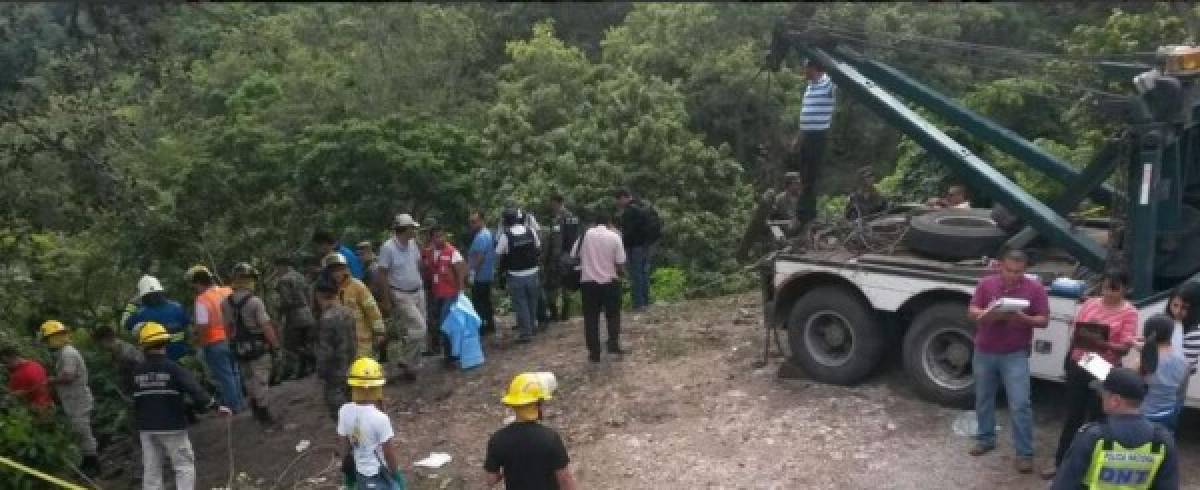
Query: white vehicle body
[[892, 288]]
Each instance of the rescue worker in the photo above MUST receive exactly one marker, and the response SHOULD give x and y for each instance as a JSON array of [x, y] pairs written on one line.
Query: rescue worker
[[70, 383], [562, 234], [124, 356], [1125, 451], [352, 293], [373, 459], [160, 386], [517, 248], [296, 311], [27, 380], [447, 276], [336, 345], [209, 330], [785, 205], [252, 335], [154, 306], [525, 453]]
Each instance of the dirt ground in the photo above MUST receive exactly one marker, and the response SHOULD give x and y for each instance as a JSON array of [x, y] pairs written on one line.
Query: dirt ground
[[687, 409]]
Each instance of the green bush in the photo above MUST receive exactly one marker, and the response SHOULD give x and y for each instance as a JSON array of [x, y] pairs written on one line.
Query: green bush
[[44, 443]]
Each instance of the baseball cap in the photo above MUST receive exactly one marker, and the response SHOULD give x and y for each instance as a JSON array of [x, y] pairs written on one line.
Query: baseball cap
[[1123, 382]]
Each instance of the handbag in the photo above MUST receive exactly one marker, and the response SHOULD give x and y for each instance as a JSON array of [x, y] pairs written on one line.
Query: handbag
[[573, 266]]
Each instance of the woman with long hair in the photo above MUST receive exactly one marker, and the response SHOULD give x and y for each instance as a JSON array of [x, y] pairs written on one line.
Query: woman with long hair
[[1111, 310], [1165, 370]]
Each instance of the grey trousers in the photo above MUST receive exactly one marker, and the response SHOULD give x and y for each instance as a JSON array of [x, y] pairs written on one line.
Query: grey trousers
[[175, 446]]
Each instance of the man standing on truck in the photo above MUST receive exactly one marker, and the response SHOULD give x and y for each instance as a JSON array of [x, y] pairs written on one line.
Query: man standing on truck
[[816, 115], [1002, 343]]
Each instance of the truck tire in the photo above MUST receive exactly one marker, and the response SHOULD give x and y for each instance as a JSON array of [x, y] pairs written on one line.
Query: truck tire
[[938, 349], [955, 234], [833, 335]]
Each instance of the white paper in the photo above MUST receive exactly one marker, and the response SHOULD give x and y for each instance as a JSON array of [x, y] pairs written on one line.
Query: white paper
[[1009, 305], [434, 460], [1093, 363]]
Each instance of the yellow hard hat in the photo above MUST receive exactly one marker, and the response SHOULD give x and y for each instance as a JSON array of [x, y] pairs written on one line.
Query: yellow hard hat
[[52, 327], [365, 373], [525, 388], [194, 270], [153, 333]]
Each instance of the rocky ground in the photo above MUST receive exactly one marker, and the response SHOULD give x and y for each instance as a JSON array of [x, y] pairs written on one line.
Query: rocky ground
[[687, 409]]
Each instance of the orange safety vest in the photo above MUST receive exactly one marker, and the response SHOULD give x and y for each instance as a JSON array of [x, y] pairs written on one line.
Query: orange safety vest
[[211, 300]]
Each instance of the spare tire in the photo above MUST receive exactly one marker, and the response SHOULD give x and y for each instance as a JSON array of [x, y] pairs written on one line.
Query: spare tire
[[955, 234]]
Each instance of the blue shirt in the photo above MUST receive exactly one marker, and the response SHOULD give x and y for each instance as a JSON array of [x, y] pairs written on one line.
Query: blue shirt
[[172, 317], [816, 111], [484, 244], [352, 262], [1163, 385]]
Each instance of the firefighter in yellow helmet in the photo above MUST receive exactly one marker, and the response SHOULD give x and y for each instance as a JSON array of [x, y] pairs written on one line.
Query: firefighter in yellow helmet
[[159, 387], [368, 321], [1125, 451], [525, 453], [70, 382], [372, 460]]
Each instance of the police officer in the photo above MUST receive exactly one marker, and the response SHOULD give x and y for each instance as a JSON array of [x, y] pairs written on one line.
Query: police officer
[[159, 388], [1125, 451], [253, 335], [561, 237]]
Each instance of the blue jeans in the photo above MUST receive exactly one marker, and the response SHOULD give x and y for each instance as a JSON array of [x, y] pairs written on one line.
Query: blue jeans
[[639, 273], [1170, 420], [524, 291], [1011, 370], [221, 367]]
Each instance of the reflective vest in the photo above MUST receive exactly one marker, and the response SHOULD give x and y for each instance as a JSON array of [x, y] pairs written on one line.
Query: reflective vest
[[1118, 468], [441, 270], [211, 300]]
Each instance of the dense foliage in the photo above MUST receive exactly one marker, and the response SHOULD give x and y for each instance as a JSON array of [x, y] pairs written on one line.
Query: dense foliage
[[146, 138]]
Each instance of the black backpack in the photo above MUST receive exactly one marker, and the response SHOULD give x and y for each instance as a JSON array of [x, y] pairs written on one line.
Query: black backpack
[[247, 345]]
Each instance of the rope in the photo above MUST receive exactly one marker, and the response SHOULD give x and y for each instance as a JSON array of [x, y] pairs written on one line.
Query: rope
[[60, 483], [297, 459]]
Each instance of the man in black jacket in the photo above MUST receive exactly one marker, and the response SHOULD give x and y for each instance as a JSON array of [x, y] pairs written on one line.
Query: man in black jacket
[[640, 231], [159, 386]]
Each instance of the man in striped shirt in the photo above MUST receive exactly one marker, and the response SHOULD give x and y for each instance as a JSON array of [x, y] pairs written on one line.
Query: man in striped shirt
[[816, 113]]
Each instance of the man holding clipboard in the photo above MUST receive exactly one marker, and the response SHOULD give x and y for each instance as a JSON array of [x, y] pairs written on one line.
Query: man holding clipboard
[[1006, 308]]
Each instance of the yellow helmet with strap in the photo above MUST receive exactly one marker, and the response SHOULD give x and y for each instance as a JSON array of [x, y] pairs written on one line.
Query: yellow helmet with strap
[[365, 373], [153, 333]]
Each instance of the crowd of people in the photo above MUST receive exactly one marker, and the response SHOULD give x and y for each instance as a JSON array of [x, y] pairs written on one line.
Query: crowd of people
[[1119, 430], [357, 319]]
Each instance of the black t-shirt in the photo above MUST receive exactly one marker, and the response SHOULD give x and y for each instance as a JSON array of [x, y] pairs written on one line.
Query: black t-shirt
[[529, 454]]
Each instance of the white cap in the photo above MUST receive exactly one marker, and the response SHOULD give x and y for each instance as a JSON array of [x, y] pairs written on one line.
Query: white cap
[[147, 285]]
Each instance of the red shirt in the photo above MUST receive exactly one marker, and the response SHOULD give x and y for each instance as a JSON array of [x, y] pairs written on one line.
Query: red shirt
[[30, 377], [1007, 336]]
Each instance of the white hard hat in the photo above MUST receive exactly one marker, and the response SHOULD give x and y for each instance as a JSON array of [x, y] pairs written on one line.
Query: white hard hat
[[148, 284]]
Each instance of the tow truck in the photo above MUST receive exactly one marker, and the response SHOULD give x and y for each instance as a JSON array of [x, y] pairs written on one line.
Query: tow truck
[[844, 311]]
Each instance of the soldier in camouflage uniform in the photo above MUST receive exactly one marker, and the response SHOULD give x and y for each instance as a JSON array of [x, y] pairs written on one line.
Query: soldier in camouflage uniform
[[787, 204], [295, 309], [559, 240], [335, 348]]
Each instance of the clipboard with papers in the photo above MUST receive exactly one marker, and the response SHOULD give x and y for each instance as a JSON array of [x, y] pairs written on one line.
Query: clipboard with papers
[[1007, 305], [1096, 365]]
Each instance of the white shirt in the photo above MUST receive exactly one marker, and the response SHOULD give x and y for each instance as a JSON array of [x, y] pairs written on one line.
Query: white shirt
[[368, 429], [402, 264]]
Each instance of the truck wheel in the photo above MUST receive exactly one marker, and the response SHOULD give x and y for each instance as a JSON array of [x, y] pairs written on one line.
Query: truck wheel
[[834, 336], [955, 234], [937, 354]]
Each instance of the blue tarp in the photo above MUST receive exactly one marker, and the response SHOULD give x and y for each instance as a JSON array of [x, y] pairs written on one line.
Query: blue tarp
[[462, 326]]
